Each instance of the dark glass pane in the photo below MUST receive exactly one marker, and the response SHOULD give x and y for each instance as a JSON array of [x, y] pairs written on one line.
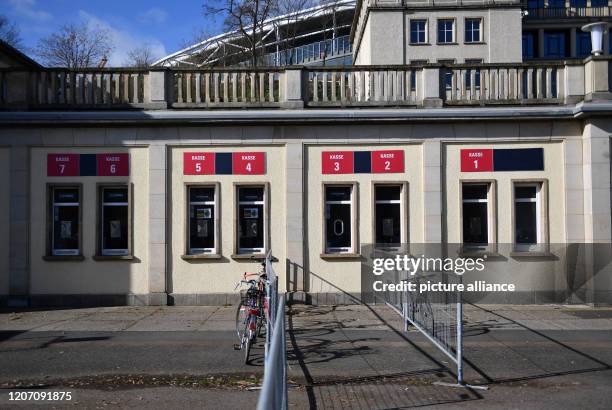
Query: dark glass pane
[[526, 226], [251, 226], [338, 193], [201, 226], [525, 192], [338, 225], [250, 194], [201, 194], [475, 229], [388, 225], [475, 191], [388, 193], [115, 227], [65, 195], [117, 195], [65, 227]]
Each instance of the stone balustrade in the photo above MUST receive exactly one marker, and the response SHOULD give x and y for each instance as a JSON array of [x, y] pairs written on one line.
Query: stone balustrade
[[432, 85]]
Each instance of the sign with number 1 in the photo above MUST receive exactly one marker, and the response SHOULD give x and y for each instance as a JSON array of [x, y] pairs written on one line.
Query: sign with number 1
[[476, 160]]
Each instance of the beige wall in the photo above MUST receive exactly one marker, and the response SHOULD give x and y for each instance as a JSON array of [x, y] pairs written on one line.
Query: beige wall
[[89, 276], [388, 31], [541, 273], [195, 276], [4, 219], [341, 274]]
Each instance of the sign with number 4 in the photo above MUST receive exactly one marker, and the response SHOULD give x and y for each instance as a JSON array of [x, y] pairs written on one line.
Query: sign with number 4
[[248, 163]]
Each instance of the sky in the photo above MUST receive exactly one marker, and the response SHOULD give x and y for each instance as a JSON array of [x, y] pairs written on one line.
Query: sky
[[165, 25]]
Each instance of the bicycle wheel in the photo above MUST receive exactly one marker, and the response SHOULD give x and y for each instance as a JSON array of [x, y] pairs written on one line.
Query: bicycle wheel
[[242, 315]]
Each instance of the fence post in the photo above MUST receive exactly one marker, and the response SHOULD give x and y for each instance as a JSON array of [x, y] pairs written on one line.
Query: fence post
[[293, 88], [158, 89], [431, 89], [573, 83], [597, 85], [16, 89]]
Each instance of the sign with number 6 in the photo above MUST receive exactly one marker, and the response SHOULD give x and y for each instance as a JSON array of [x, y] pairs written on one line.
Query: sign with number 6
[[113, 165]]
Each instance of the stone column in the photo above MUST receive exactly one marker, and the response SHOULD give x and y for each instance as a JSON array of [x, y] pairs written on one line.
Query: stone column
[[295, 219], [541, 43], [432, 195], [157, 224], [19, 267]]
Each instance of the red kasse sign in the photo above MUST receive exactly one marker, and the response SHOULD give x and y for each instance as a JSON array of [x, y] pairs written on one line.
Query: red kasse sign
[[337, 162], [248, 163], [113, 165], [391, 161], [476, 160], [199, 163], [63, 165]]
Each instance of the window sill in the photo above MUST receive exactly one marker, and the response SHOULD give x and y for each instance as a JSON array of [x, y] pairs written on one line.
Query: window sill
[[340, 255], [532, 254], [106, 258], [249, 256], [474, 43], [447, 44], [190, 257], [419, 44], [63, 258]]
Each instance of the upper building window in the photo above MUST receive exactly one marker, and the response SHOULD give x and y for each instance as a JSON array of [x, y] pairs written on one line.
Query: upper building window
[[555, 44], [472, 30], [418, 31], [556, 4], [583, 44], [529, 45], [599, 3], [446, 31]]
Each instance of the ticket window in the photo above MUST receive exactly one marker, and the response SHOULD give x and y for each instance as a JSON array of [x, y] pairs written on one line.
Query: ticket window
[[477, 214], [251, 219], [114, 221], [66, 220], [529, 227], [203, 220], [339, 217], [389, 215]]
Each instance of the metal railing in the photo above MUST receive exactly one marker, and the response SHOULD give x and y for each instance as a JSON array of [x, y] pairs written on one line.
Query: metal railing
[[273, 394], [310, 53]]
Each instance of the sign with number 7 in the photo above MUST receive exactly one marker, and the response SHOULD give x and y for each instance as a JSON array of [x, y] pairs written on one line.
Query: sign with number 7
[[476, 160], [62, 165]]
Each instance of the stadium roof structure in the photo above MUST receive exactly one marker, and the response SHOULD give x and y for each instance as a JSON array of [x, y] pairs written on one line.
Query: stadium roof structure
[[308, 27]]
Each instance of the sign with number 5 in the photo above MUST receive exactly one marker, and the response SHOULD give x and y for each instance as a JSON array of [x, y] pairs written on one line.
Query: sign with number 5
[[113, 165]]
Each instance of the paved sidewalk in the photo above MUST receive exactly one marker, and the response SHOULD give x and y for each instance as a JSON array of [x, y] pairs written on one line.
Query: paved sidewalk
[[341, 357]]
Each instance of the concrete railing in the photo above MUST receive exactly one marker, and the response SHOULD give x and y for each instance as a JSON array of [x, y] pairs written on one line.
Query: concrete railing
[[226, 88], [568, 12], [432, 85], [363, 86]]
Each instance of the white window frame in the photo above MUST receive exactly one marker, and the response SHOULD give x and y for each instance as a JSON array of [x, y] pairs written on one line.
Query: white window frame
[[541, 215], [216, 209], [426, 31], [265, 206], [491, 185], [102, 205], [453, 30], [403, 202], [480, 31], [64, 252], [353, 203]]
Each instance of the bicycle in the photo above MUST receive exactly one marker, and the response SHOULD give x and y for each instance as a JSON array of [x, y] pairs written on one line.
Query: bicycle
[[251, 315]]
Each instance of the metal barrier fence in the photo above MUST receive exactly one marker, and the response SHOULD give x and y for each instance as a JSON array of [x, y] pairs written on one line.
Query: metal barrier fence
[[274, 390]]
